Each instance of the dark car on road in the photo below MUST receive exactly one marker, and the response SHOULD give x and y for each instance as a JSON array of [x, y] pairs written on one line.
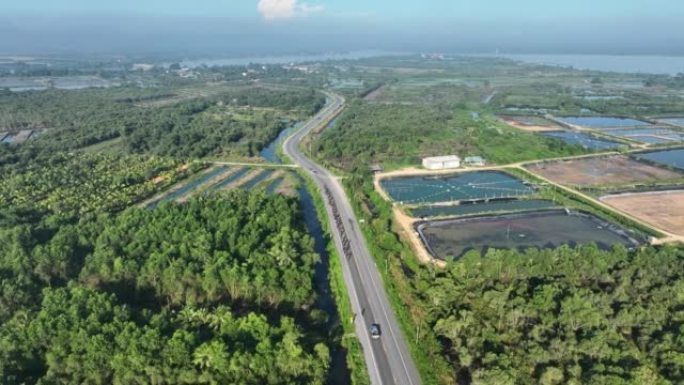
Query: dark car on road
[[375, 331]]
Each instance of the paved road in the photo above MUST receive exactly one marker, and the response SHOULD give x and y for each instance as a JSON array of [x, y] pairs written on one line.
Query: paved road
[[388, 358]]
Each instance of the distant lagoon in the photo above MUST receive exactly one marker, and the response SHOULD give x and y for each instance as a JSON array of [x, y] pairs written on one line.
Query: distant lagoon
[[650, 64], [285, 59]]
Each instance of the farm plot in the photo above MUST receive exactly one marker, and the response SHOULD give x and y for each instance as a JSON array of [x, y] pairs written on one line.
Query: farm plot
[[597, 171], [661, 209]]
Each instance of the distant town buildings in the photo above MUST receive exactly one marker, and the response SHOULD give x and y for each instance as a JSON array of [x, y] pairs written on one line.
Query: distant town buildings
[[442, 162], [142, 67]]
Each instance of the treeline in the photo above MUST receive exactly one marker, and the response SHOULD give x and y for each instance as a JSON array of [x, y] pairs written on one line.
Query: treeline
[[402, 135], [191, 128], [218, 290], [564, 316]]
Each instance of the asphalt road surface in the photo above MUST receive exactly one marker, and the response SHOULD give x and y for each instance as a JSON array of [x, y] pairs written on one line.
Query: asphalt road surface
[[387, 358]]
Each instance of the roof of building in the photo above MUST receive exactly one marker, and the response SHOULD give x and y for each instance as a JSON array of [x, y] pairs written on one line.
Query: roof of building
[[444, 158], [474, 159]]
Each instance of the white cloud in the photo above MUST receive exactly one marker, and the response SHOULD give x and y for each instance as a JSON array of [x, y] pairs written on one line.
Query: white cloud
[[286, 9]]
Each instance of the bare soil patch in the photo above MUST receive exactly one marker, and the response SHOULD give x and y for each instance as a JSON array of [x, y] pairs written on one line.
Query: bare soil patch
[[375, 94], [662, 209], [597, 171], [531, 124]]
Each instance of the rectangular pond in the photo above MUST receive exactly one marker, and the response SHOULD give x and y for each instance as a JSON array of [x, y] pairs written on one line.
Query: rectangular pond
[[230, 179], [450, 239], [675, 121], [262, 176], [190, 186], [455, 187], [582, 139], [655, 135], [482, 208], [670, 158], [602, 122]]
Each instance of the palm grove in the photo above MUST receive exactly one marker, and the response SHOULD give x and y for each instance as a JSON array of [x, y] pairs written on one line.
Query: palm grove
[[217, 290]]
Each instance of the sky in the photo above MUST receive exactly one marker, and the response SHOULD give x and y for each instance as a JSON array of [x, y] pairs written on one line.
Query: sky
[[250, 27]]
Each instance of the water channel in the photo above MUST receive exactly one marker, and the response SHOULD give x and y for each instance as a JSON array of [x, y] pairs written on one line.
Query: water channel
[[339, 372]]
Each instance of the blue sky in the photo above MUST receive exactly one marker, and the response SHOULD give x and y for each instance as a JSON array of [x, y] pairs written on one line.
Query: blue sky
[[535, 26], [377, 9]]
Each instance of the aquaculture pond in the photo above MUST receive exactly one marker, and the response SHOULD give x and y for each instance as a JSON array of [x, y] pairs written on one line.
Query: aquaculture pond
[[189, 187], [455, 187], [450, 239], [262, 176], [600, 97], [671, 158], [601, 122], [649, 135], [582, 139], [675, 121], [232, 178], [482, 208], [274, 184]]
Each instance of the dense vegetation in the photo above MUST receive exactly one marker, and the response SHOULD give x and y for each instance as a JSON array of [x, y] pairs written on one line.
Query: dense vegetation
[[67, 186], [562, 316], [214, 291], [232, 122], [402, 135]]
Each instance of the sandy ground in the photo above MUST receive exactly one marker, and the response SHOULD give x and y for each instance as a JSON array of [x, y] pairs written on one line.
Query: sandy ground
[[530, 128], [288, 186], [611, 170], [663, 209], [409, 233]]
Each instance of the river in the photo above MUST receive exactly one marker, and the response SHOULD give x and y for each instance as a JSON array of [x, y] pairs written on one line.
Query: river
[[646, 64]]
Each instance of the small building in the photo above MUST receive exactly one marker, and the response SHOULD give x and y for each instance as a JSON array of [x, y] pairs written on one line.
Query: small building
[[474, 161], [442, 162], [376, 168]]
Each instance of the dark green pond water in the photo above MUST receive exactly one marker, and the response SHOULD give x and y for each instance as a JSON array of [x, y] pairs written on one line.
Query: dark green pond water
[[233, 177], [188, 188], [452, 238], [263, 175], [455, 187], [482, 208]]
